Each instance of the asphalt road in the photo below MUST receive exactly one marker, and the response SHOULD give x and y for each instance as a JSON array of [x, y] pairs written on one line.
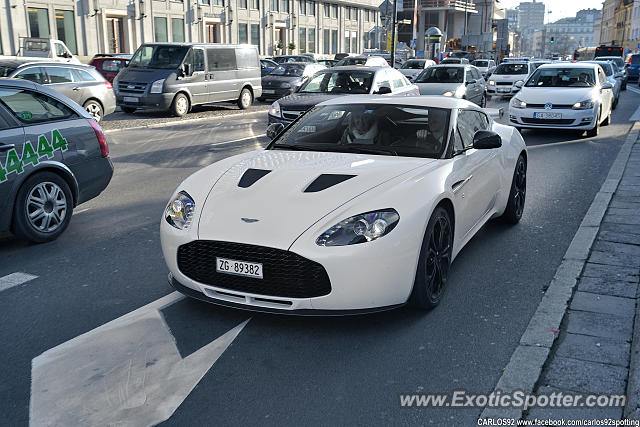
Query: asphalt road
[[296, 371]]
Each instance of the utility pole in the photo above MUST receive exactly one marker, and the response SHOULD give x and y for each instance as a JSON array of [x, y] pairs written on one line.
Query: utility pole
[[393, 33]]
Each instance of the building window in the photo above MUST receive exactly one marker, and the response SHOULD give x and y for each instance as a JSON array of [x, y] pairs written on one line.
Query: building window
[[243, 36], [255, 4], [354, 42], [242, 4], [273, 5], [334, 41], [177, 30], [311, 7], [311, 47], [255, 34], [327, 10], [66, 29], [303, 7], [347, 12], [302, 39], [205, 2], [334, 11], [326, 42], [217, 2], [284, 6], [39, 22], [160, 29]]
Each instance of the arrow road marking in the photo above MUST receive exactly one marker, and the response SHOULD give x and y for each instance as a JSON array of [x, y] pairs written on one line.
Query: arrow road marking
[[15, 279], [127, 372]]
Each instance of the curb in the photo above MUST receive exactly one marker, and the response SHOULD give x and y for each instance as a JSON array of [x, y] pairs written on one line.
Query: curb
[[527, 361], [180, 122]]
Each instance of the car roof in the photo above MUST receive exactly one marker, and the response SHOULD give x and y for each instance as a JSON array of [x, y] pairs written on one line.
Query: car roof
[[373, 68], [452, 65], [436, 101], [581, 64]]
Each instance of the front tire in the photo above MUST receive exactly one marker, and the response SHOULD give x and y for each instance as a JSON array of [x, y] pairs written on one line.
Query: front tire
[[517, 194], [434, 261], [43, 208], [596, 129], [245, 100], [94, 108], [180, 105], [483, 101]]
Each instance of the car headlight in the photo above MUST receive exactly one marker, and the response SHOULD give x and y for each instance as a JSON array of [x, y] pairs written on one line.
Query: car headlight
[[518, 103], [179, 211], [448, 93], [492, 83], [275, 109], [285, 85], [156, 87], [583, 105], [360, 228]]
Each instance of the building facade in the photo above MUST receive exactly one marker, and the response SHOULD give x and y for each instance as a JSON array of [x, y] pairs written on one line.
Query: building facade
[[635, 25], [608, 22], [570, 34], [622, 25], [530, 16], [120, 26]]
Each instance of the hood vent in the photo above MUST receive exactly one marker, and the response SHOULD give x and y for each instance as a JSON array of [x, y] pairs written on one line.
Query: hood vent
[[251, 176], [325, 181]]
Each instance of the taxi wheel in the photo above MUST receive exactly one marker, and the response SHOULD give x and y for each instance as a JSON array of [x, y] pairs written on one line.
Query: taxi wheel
[[129, 110], [43, 208], [95, 109], [180, 105], [245, 100]]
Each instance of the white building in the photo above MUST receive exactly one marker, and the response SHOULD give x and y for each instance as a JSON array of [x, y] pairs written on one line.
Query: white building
[[635, 24], [570, 34], [91, 26], [530, 16]]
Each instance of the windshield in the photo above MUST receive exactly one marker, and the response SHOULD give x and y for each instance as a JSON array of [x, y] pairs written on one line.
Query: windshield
[[158, 56], [351, 82], [441, 75], [451, 61], [5, 70], [511, 68], [562, 77], [413, 65], [481, 63], [288, 70], [351, 61], [385, 129], [607, 67]]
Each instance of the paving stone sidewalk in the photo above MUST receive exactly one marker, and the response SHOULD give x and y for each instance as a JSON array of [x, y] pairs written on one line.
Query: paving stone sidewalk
[[598, 350]]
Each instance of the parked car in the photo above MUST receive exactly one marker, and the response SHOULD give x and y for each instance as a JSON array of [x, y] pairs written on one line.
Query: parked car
[[619, 64], [633, 67], [455, 80], [483, 65], [327, 62], [109, 67], [450, 60], [412, 67], [112, 55], [293, 58], [367, 61], [81, 83], [564, 96], [340, 81], [267, 66], [177, 76], [287, 78], [53, 157], [613, 76]]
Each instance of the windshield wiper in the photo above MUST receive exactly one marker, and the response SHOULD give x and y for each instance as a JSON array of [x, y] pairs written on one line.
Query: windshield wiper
[[340, 148], [293, 147]]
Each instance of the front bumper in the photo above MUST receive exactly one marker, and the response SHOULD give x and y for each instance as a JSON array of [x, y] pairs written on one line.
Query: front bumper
[[274, 119], [276, 93], [160, 101], [502, 90], [571, 119]]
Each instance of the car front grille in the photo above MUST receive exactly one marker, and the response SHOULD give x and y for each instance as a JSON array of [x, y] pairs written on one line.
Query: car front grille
[[132, 87], [531, 121], [504, 83], [291, 115], [554, 106], [285, 274]]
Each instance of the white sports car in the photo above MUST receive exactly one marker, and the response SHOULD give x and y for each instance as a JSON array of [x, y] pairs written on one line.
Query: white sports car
[[359, 205]]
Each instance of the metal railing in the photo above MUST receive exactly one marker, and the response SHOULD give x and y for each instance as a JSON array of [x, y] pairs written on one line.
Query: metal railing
[[461, 5]]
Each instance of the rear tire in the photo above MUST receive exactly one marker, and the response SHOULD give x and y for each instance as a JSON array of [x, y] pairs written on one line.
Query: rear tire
[[434, 261], [517, 194], [246, 99], [43, 208], [129, 110], [94, 108], [180, 105]]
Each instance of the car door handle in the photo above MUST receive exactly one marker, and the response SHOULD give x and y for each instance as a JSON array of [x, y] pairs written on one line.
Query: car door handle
[[6, 147], [459, 184], [76, 88]]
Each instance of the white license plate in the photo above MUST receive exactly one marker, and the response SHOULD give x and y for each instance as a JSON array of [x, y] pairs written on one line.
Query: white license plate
[[268, 91], [131, 99], [504, 89], [547, 115], [240, 268]]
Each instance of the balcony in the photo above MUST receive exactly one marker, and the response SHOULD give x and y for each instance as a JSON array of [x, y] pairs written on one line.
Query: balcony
[[458, 5]]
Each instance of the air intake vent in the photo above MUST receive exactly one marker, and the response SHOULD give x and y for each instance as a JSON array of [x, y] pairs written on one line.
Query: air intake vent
[[325, 181], [251, 176]]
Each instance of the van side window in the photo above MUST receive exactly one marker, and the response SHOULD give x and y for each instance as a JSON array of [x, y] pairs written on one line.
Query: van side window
[[195, 57], [221, 59], [247, 58]]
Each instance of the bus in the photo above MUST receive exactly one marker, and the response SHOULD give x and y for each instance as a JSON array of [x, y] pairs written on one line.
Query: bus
[[609, 51], [584, 54]]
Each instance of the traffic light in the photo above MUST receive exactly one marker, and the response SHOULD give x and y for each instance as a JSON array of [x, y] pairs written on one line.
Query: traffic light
[[553, 40]]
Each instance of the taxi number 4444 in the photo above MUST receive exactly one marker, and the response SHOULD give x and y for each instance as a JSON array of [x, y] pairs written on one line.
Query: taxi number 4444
[[32, 154]]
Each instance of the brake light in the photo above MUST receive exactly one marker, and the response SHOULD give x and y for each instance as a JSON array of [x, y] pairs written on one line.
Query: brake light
[[102, 139], [108, 84]]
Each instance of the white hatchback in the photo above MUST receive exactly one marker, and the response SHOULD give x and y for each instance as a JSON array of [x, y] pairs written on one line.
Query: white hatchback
[[564, 96], [503, 80]]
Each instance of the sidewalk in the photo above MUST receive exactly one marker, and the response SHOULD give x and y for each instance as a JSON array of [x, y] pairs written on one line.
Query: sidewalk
[[598, 348]]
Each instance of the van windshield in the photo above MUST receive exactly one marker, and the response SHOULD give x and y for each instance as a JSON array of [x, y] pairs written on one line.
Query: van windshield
[[158, 56]]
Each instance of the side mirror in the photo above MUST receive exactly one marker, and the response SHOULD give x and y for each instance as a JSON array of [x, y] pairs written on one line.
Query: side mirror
[[486, 139], [519, 84], [606, 85], [470, 82], [274, 129], [495, 113], [384, 90]]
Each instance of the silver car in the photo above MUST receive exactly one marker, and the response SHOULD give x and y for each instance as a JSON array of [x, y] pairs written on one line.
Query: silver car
[[81, 83], [412, 67], [458, 80], [610, 72]]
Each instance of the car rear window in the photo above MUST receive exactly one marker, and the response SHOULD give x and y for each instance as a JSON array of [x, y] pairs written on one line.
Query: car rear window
[[111, 65], [59, 74], [33, 107], [635, 59], [84, 76]]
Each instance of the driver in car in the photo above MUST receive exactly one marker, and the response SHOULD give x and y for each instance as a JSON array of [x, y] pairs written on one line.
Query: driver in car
[[362, 129]]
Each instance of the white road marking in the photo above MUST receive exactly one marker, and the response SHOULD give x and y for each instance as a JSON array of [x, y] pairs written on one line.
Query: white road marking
[[633, 89], [80, 211], [635, 116], [15, 279], [240, 140], [127, 372]]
